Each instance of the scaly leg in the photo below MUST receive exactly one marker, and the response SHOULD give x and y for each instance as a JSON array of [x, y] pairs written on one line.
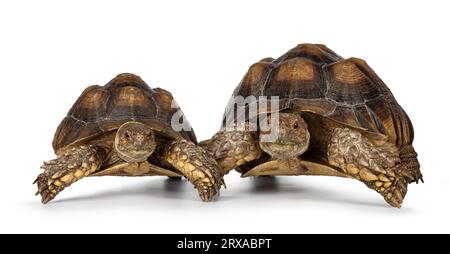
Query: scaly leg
[[67, 169], [233, 148], [410, 167], [196, 165], [374, 165]]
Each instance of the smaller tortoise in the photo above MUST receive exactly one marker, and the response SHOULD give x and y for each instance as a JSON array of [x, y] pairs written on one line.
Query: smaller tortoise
[[124, 129], [335, 117]]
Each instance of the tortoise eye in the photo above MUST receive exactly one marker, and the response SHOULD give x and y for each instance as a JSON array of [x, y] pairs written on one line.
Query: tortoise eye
[[295, 125], [127, 134]]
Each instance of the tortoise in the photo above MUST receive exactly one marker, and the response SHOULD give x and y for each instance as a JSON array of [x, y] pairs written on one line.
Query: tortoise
[[335, 117], [124, 129]]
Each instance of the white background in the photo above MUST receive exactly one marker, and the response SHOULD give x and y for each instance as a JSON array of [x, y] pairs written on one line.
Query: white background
[[199, 50]]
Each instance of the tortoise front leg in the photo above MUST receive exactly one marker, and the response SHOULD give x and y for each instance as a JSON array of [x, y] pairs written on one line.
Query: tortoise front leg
[[67, 169], [233, 148], [375, 164], [196, 165]]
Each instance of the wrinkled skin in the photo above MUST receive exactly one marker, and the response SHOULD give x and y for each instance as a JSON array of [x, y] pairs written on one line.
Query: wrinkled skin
[[134, 142], [292, 137]]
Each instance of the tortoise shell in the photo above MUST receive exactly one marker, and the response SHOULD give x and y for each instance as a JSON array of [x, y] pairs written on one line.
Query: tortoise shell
[[127, 97], [313, 78]]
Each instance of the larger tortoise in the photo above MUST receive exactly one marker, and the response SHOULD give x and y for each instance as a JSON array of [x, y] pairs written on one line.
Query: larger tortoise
[[124, 129], [335, 117]]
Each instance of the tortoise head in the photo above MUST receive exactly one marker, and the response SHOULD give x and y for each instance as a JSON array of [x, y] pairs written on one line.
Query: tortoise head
[[292, 137], [134, 142]]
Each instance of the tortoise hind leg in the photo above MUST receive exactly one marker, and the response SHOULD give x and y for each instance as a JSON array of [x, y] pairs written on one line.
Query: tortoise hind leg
[[373, 163], [410, 167], [67, 169]]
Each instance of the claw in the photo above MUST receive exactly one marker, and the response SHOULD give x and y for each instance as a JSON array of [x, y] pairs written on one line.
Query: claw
[[50, 162], [58, 174], [394, 200], [408, 175], [396, 204], [45, 200], [404, 188], [41, 188], [378, 169], [203, 196], [390, 172], [398, 194]]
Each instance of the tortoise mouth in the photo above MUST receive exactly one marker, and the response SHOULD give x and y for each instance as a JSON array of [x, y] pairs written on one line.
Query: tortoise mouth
[[283, 150], [135, 156], [282, 146]]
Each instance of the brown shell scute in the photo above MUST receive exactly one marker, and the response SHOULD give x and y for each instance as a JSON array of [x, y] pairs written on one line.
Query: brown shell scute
[[313, 78], [318, 53], [125, 98], [89, 106], [296, 77], [348, 84], [254, 78]]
